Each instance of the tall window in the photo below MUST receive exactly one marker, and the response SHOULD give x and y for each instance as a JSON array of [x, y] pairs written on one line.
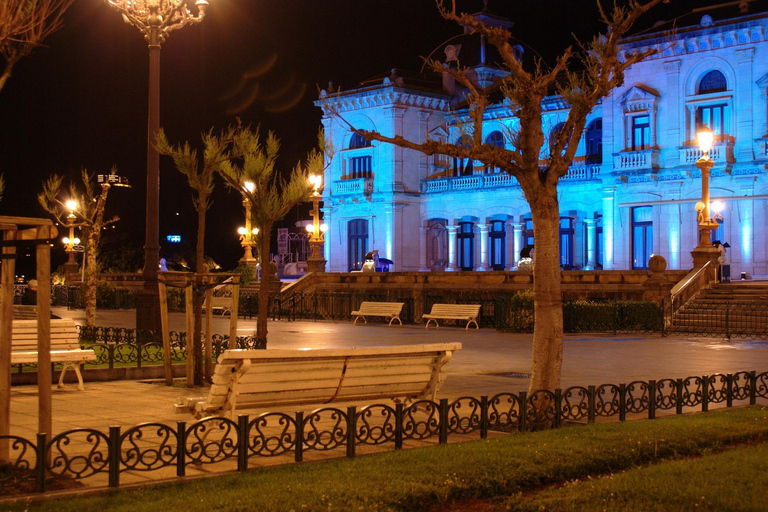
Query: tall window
[[528, 233], [714, 114], [599, 235], [641, 132], [715, 117], [498, 239], [642, 236], [357, 243], [566, 243], [463, 166], [495, 138], [466, 242], [594, 141]]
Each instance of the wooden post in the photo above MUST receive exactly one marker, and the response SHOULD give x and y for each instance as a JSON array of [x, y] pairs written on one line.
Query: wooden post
[[6, 328], [44, 377], [189, 308], [235, 287], [163, 293], [208, 335]]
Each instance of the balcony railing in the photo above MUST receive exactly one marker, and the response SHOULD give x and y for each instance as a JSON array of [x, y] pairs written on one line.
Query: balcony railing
[[720, 153], [353, 187], [582, 172], [761, 148], [636, 160], [474, 182]]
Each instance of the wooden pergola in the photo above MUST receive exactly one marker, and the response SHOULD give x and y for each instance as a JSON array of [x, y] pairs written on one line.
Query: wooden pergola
[[21, 232]]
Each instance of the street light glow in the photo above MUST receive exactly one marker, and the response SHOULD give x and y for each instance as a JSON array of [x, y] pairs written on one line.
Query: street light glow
[[249, 186], [717, 206], [71, 205], [705, 138]]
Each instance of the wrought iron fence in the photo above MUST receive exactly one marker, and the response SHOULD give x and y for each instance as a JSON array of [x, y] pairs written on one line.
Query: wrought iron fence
[[33, 465]]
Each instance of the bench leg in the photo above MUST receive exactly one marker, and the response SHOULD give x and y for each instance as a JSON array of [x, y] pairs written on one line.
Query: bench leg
[[432, 320], [395, 318], [358, 318], [75, 367]]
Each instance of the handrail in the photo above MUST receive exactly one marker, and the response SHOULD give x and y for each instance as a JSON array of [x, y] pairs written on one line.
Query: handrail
[[688, 282]]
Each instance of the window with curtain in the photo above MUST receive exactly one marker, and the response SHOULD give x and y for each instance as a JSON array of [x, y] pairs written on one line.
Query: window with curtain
[[498, 242], [357, 243], [642, 236], [466, 242]]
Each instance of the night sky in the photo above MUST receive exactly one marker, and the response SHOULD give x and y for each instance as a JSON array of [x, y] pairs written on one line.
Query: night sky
[[81, 101]]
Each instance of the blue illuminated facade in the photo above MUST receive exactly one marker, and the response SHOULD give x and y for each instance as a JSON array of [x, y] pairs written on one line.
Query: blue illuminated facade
[[630, 192]]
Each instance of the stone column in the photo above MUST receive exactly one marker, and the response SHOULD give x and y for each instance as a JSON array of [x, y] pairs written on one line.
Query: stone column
[[452, 231], [483, 231], [423, 246], [591, 262], [518, 244], [608, 228], [743, 109]]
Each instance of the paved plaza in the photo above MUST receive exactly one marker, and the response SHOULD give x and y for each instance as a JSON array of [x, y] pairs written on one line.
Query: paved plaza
[[490, 362]]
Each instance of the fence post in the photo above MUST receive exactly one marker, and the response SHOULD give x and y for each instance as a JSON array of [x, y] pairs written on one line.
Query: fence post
[[651, 399], [705, 393], [615, 317], [399, 417], [181, 451], [558, 407], [752, 388], [299, 447], [114, 456], [622, 402], [729, 390], [484, 417], [591, 398], [42, 461], [679, 396], [243, 433], [443, 436], [351, 431], [727, 326], [522, 422]]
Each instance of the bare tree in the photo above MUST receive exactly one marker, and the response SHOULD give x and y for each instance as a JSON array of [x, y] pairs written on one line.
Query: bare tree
[[217, 150], [24, 24], [601, 70], [91, 199], [272, 196]]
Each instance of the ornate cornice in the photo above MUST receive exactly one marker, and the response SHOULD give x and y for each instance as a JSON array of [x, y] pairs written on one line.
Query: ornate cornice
[[382, 97]]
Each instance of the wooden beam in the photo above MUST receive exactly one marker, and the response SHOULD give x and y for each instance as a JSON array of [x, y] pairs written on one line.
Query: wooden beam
[[44, 377], [8, 269]]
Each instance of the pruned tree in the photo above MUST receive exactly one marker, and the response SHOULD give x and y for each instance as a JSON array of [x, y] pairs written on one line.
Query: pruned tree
[[24, 24], [601, 67], [91, 199], [218, 149], [272, 196], [2, 187]]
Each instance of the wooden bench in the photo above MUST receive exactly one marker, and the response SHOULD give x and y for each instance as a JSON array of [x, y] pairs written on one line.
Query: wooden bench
[[389, 310], [468, 312], [280, 377], [223, 304], [65, 347]]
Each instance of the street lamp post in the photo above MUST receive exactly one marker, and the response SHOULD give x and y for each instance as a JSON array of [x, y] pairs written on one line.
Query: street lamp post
[[155, 18], [70, 267], [316, 262], [248, 232], [705, 251]]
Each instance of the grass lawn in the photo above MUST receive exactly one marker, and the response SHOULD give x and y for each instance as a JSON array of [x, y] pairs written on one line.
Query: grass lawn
[[483, 475]]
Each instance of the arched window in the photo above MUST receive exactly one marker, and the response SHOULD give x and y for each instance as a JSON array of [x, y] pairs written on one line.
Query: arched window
[[358, 141], [712, 81], [594, 141], [495, 138]]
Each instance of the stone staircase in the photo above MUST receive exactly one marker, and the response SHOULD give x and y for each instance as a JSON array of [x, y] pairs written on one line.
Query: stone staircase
[[737, 309]]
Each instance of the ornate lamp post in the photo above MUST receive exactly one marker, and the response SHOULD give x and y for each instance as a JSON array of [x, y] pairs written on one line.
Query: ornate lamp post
[[248, 233], [705, 251], [70, 267], [316, 262], [155, 18]]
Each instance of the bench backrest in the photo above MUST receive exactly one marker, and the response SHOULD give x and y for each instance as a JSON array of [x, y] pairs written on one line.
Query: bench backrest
[[280, 377], [64, 335], [382, 307], [456, 309]]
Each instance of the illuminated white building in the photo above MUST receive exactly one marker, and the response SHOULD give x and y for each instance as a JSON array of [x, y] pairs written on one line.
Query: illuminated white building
[[630, 192]]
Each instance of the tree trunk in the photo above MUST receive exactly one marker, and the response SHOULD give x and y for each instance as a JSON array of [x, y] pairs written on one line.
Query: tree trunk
[[91, 271], [199, 268], [5, 75], [266, 274], [548, 315]]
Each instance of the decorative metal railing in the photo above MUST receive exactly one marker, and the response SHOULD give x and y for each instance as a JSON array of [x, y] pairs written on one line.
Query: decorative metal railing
[[35, 465]]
